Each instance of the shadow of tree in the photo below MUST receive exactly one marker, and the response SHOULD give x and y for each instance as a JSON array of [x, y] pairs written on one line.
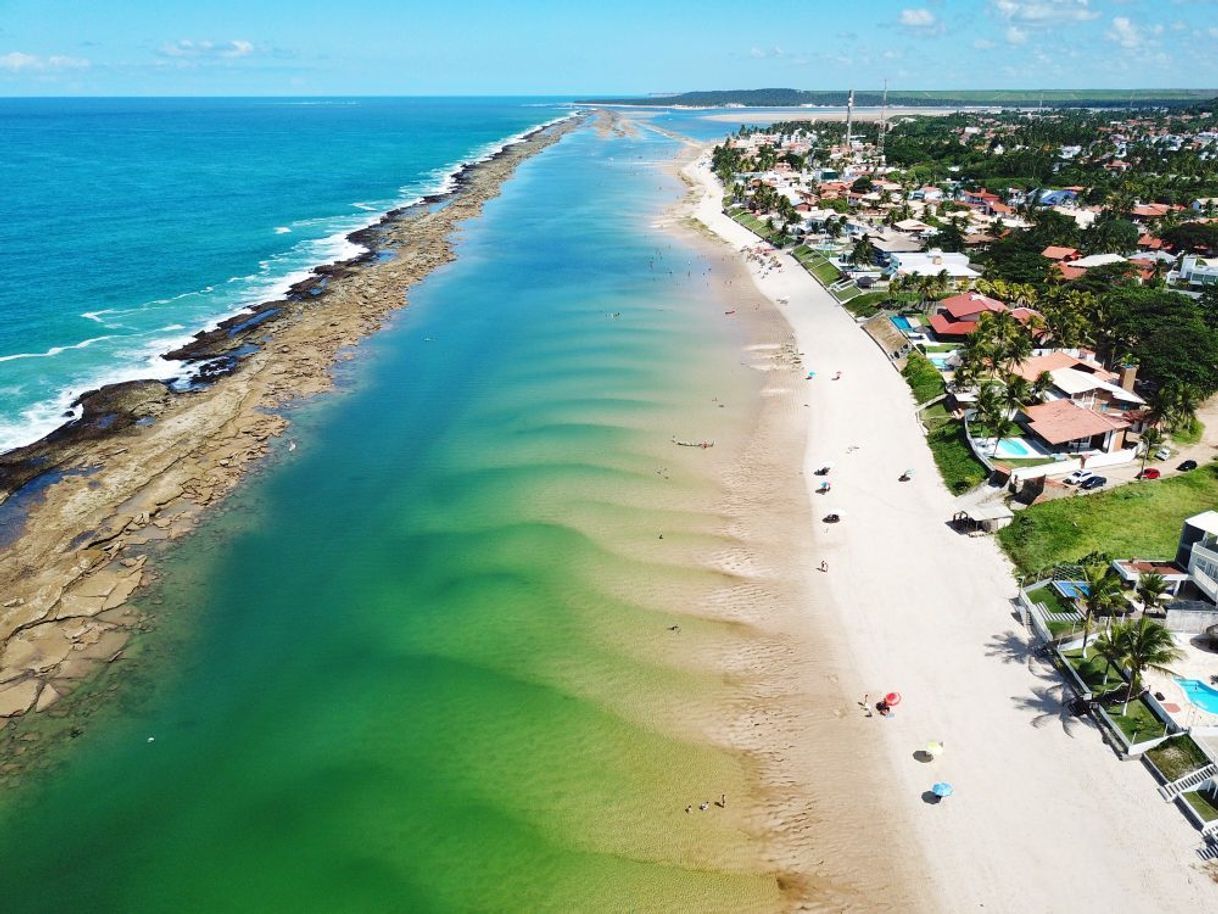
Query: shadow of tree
[[1049, 703], [1012, 647]]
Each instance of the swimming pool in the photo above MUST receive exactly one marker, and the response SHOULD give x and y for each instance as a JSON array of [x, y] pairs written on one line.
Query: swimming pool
[[1015, 448], [1071, 589], [1200, 694], [940, 361], [901, 322]]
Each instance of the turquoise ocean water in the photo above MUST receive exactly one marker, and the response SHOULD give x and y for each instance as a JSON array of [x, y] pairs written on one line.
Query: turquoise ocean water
[[128, 224], [423, 661]]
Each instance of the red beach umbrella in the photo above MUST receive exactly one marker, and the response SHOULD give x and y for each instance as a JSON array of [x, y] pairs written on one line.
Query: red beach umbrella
[[892, 699]]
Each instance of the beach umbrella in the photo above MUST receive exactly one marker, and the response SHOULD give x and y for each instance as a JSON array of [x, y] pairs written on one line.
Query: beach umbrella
[[892, 699], [942, 789], [934, 748]]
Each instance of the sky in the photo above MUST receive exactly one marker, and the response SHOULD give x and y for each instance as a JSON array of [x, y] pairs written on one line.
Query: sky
[[548, 47]]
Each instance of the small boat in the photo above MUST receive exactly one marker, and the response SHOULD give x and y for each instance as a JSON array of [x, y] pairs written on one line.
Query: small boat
[[701, 444], [729, 312]]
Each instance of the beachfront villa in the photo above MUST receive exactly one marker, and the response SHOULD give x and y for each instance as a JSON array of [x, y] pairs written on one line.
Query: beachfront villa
[[1066, 427], [956, 318], [934, 262], [1198, 271]]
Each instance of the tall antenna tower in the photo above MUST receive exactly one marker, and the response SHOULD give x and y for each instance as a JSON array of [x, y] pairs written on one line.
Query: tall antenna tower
[[849, 121], [879, 140]]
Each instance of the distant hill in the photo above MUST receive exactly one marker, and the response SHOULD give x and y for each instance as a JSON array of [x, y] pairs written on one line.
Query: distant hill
[[790, 98]]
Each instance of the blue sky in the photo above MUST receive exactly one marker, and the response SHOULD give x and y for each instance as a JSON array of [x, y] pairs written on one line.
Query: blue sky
[[294, 47]]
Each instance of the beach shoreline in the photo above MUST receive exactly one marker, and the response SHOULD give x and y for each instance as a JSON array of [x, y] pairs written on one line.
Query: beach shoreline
[[145, 461], [909, 605]]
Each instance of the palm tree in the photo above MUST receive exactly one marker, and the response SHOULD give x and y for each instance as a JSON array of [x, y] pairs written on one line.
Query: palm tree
[[1110, 649], [1151, 439], [1151, 588], [1101, 594], [1147, 646]]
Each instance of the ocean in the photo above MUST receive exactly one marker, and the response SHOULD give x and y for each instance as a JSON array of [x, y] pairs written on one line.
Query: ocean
[[426, 660], [127, 225]]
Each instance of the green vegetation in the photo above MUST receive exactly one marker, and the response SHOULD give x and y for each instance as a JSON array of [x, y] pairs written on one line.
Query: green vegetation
[[1134, 520], [867, 305], [1053, 601], [783, 98], [1139, 723], [1096, 673], [1188, 432], [754, 225], [922, 377], [1204, 808], [960, 469], [817, 264], [1177, 757]]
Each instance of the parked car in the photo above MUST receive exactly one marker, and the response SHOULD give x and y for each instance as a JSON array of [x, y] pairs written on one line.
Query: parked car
[[1149, 473], [1187, 465], [1163, 453], [1093, 482], [1078, 477]]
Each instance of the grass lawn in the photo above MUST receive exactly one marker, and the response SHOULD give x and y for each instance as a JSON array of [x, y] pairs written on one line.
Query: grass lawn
[[1190, 434], [938, 347], [922, 377], [1016, 462], [1092, 672], [1058, 629], [1205, 809], [867, 305], [1140, 724], [754, 225], [1052, 600], [816, 264], [1132, 520], [1177, 757], [960, 470]]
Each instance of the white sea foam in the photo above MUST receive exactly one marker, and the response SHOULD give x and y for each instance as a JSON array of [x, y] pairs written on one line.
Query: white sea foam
[[282, 230], [53, 351], [274, 278]]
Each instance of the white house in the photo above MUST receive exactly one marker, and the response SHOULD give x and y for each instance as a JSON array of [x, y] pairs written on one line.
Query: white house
[[933, 263], [1199, 271]]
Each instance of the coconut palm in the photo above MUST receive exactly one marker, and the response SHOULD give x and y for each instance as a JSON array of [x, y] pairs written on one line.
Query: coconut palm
[[1110, 649], [1150, 588], [1147, 646], [1101, 594]]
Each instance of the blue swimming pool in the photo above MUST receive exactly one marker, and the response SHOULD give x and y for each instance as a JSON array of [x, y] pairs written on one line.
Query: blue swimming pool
[[901, 322], [1200, 694], [1071, 589], [1015, 448]]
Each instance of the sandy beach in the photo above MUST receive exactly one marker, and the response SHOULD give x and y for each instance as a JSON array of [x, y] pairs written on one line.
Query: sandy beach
[[1044, 818], [145, 462]]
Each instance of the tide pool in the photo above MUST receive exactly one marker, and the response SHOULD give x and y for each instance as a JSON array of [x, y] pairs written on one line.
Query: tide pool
[[424, 661]]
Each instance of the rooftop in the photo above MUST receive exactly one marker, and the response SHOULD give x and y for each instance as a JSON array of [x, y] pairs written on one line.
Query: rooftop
[[1061, 421]]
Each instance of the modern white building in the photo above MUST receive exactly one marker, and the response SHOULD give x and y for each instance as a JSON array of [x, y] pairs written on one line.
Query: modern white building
[[1199, 271], [933, 263]]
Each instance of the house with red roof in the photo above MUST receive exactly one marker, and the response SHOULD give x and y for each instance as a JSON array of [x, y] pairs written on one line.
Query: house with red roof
[[957, 316], [1060, 254]]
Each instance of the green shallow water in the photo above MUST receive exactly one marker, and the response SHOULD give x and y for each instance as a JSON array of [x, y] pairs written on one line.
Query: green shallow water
[[422, 662]]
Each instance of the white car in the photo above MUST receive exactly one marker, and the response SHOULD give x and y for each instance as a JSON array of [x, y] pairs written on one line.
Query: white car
[[1078, 477], [1163, 453]]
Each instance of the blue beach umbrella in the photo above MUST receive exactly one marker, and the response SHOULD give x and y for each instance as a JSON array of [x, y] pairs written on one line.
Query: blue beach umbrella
[[942, 789]]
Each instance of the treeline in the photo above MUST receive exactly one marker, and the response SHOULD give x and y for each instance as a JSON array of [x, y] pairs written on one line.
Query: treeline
[[782, 98]]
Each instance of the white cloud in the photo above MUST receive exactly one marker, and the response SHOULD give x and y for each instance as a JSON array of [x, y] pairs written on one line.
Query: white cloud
[[1128, 34], [918, 19], [1041, 14], [1016, 35], [763, 53], [1213, 31], [983, 44], [19, 62], [187, 49]]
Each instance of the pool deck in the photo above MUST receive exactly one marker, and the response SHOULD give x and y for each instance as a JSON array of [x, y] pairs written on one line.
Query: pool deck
[[1197, 663]]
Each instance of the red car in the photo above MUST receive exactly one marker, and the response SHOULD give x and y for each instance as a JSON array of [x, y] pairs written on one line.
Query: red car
[[1149, 473]]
